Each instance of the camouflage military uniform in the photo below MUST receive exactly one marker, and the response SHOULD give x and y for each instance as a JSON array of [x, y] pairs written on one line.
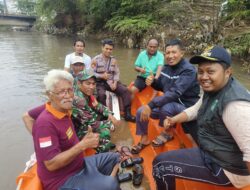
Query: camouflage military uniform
[[84, 115]]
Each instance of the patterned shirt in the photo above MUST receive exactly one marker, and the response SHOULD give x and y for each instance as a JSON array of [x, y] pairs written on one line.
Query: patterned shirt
[[84, 115], [110, 66]]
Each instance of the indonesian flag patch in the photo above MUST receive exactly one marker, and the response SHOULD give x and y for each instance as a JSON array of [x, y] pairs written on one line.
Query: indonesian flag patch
[[45, 142]]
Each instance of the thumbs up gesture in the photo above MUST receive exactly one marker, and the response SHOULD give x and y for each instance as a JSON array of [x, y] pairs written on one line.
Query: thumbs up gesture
[[150, 79], [90, 140]]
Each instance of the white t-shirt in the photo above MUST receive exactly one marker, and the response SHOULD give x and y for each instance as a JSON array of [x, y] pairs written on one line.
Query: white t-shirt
[[70, 57]]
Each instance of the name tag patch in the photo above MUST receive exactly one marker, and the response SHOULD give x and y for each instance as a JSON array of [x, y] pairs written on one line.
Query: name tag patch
[[45, 142]]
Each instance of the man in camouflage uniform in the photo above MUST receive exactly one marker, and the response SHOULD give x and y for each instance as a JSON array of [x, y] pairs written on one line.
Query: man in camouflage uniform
[[87, 112]]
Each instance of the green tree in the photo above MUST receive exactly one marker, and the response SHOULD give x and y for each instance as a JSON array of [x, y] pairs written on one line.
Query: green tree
[[98, 12], [238, 9], [60, 13], [133, 18], [26, 6], [76, 14]]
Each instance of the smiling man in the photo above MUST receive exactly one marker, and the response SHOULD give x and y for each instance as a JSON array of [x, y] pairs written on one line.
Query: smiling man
[[59, 153], [148, 62], [108, 78], [78, 46], [87, 112], [222, 114], [181, 90]]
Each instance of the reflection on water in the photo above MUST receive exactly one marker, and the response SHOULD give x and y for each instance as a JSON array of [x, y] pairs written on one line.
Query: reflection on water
[[25, 59]]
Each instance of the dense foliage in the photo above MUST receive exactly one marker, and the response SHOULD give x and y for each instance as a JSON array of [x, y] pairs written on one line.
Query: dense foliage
[[136, 19], [239, 9], [26, 7], [121, 16]]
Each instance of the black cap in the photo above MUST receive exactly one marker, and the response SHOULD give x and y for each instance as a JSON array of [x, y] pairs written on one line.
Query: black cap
[[214, 54]]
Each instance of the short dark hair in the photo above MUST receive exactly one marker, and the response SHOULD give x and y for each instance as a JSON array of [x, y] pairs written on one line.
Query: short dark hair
[[108, 42], [79, 40], [175, 42]]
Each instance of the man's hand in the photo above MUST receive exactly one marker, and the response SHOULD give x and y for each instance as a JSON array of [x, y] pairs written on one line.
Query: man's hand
[[90, 140], [113, 86], [93, 101], [105, 76], [145, 114], [142, 70], [168, 122], [114, 121], [149, 79]]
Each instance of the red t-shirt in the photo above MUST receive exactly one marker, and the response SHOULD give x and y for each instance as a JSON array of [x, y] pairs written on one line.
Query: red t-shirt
[[53, 133]]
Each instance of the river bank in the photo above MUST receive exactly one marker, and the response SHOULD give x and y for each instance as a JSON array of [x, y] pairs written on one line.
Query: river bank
[[25, 58]]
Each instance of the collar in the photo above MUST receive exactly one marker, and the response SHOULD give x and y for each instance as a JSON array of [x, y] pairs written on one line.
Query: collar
[[55, 112], [152, 54], [77, 54]]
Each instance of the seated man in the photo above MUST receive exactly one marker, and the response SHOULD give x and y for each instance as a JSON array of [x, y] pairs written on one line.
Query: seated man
[[78, 47], [107, 73], [148, 62], [222, 115], [87, 111], [59, 153], [181, 90], [76, 67]]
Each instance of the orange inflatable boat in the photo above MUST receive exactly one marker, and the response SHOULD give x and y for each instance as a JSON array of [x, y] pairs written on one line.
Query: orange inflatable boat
[[30, 181], [180, 141]]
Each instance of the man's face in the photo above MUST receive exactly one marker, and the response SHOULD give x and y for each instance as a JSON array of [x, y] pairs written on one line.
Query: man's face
[[61, 96], [152, 47], [77, 67], [88, 86], [107, 50], [212, 76], [79, 47], [173, 55]]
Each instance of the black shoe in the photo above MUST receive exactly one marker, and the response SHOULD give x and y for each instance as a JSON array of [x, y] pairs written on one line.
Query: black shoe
[[124, 177], [131, 161], [129, 117], [137, 174]]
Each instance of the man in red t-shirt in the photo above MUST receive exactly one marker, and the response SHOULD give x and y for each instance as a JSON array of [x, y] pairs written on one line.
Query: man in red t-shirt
[[59, 152]]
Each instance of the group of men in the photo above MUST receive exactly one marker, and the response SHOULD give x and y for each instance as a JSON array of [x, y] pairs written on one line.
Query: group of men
[[222, 154]]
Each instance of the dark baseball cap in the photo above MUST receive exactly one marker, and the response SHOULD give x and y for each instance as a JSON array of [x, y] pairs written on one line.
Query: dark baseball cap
[[85, 75], [214, 54]]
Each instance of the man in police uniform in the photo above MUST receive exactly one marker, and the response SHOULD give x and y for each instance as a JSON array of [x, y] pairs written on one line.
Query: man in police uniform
[[108, 74]]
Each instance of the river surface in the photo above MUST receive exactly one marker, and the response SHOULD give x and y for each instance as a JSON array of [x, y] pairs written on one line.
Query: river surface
[[25, 58]]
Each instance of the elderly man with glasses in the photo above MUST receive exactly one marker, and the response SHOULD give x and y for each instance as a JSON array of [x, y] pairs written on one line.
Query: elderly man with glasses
[[60, 161]]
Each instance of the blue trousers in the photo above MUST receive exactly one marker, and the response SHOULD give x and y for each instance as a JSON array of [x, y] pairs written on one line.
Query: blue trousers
[[96, 174], [169, 109], [191, 164]]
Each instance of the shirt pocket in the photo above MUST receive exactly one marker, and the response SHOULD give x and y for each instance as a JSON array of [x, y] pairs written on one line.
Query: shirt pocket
[[112, 68], [100, 69]]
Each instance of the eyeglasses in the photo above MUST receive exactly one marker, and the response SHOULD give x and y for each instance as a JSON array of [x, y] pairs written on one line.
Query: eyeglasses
[[63, 93]]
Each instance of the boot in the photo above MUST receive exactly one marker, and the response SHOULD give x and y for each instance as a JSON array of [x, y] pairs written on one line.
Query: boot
[[128, 116]]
